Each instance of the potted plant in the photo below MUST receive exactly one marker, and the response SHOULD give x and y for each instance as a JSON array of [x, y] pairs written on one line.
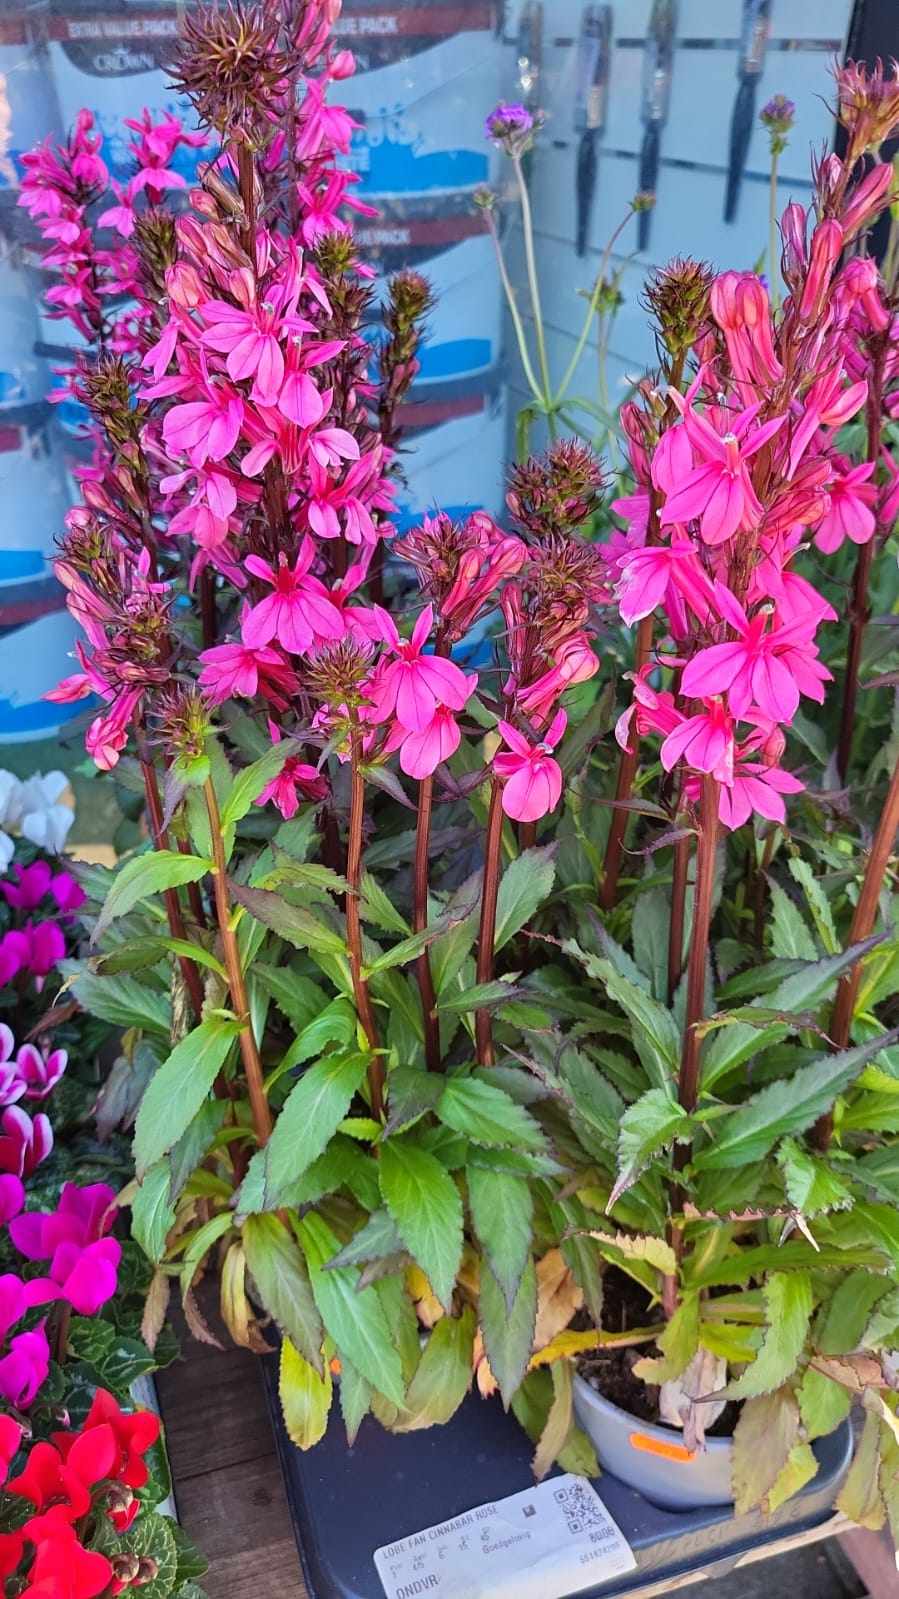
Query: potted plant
[[412, 1094]]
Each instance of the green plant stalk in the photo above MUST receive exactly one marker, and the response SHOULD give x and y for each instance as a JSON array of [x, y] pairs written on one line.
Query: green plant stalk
[[593, 309], [680, 871], [249, 1049], [773, 264], [487, 929], [527, 227], [423, 975], [361, 995], [514, 312], [688, 1078], [189, 972], [858, 606], [862, 925], [627, 771]]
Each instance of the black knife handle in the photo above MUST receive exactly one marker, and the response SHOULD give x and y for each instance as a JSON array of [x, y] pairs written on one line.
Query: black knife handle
[[740, 135], [585, 186], [649, 174]]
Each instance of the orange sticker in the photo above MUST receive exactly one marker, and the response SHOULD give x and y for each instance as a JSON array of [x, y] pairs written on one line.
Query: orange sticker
[[657, 1446]]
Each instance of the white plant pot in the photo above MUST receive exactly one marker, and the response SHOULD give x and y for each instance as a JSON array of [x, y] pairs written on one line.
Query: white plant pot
[[653, 1459]]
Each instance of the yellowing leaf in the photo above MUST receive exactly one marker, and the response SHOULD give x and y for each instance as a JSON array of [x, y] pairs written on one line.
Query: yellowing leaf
[[305, 1397], [566, 1344]]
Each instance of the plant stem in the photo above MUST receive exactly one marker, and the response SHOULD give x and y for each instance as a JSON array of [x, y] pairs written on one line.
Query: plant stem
[[862, 926], [487, 930], [679, 874], [772, 230], [627, 771], [249, 1049], [858, 607], [208, 615], [527, 226], [688, 1080], [514, 312], [189, 972], [420, 921], [364, 1008]]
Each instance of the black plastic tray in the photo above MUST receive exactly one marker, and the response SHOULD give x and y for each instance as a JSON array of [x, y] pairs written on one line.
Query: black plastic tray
[[346, 1503]]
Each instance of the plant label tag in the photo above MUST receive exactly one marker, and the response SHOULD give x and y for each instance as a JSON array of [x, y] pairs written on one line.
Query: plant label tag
[[553, 1540]]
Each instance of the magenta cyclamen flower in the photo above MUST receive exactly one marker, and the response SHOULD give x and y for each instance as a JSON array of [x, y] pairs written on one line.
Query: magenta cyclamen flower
[[68, 894], [30, 885], [83, 1261], [39, 1073], [24, 1142], [533, 779], [26, 1363], [299, 614], [414, 684]]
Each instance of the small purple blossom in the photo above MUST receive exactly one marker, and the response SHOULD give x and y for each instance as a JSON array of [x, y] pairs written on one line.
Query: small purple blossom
[[511, 125]]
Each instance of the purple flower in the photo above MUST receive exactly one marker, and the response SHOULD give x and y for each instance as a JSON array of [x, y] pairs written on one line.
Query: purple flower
[[512, 126], [83, 1262], [37, 1073]]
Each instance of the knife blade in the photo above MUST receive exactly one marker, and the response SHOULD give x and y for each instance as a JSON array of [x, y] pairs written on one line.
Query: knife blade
[[658, 61], [591, 97], [750, 64]]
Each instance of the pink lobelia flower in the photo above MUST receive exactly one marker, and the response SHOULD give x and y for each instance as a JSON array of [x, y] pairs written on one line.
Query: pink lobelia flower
[[647, 574], [31, 885], [205, 430], [414, 684], [755, 787], [650, 711], [40, 1073], [533, 779], [299, 614], [24, 1142], [421, 753], [704, 741], [718, 492], [760, 668], [739, 304], [849, 515], [250, 339], [237, 669]]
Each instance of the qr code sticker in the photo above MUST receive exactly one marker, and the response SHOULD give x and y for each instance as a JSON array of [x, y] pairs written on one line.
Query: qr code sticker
[[579, 1507]]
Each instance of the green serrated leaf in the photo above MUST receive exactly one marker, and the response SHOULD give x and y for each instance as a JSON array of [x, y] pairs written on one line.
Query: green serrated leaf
[[816, 899], [152, 1211], [788, 1308], [424, 1204], [486, 1115], [310, 1115], [300, 927], [279, 1272], [508, 1333], [177, 1090], [353, 1317], [502, 1212], [764, 1436], [144, 876], [525, 884]]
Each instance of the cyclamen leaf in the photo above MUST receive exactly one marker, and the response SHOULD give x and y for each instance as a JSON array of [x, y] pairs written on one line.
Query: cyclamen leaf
[[487, 1115], [305, 1397], [353, 1316], [502, 1212], [524, 885], [177, 1090], [146, 875], [508, 1334], [310, 1115], [424, 1203], [788, 1307], [279, 1272], [788, 1106]]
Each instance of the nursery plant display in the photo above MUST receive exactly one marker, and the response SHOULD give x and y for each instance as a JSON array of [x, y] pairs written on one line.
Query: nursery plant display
[[496, 1010], [82, 1464]]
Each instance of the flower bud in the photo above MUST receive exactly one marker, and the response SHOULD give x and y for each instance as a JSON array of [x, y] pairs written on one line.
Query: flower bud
[[868, 198], [827, 243]]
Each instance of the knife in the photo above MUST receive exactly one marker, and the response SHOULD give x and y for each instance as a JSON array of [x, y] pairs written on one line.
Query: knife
[[658, 60], [530, 61], [591, 98], [750, 62]]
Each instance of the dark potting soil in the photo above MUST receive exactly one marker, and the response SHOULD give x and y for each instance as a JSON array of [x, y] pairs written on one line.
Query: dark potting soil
[[611, 1371]]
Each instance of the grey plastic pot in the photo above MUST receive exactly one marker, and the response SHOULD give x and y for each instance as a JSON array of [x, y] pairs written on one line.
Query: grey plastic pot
[[653, 1459]]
